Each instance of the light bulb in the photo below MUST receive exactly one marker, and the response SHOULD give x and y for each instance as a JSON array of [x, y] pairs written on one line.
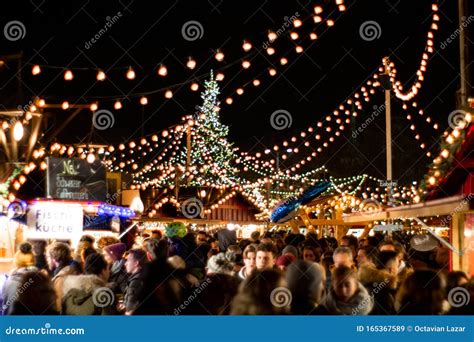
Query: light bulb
[[219, 56], [169, 94], [191, 64], [219, 76], [130, 73], [246, 64], [68, 75], [194, 87], [94, 107], [162, 71], [118, 105], [246, 46], [100, 75], [18, 131], [90, 158], [65, 105], [143, 101], [36, 70]]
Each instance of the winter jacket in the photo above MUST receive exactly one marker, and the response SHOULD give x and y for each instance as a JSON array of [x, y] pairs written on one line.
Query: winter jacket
[[131, 300], [86, 295], [118, 278], [360, 304], [58, 278], [11, 287], [382, 285]]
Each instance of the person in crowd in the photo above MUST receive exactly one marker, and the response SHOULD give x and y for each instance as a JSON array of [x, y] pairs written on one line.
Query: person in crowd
[[327, 262], [163, 291], [61, 264], [37, 297], [156, 234], [290, 249], [24, 261], [114, 256], [201, 237], [39, 251], [219, 264], [266, 256], [255, 237], [87, 294], [380, 279], [283, 261], [136, 260], [462, 294], [264, 292], [422, 293], [455, 279], [347, 295], [278, 242], [85, 242], [105, 241], [214, 244], [366, 254], [307, 283], [226, 237], [342, 256], [250, 257], [214, 295], [157, 249], [351, 242], [311, 252], [234, 255]]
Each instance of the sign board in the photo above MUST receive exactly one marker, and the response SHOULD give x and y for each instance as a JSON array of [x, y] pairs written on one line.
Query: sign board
[[61, 221], [388, 227], [76, 179]]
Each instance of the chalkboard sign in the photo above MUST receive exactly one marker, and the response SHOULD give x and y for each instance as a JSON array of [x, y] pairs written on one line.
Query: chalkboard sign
[[75, 179]]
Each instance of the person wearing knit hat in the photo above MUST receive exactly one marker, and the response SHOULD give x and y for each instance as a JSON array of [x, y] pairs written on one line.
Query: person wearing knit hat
[[24, 256], [118, 278], [219, 264], [115, 251], [283, 261], [24, 262], [290, 250], [306, 281]]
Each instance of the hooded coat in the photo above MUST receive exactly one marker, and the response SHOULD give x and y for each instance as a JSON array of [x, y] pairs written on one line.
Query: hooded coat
[[360, 304]]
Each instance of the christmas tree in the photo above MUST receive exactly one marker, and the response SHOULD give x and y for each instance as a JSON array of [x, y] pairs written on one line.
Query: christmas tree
[[211, 153]]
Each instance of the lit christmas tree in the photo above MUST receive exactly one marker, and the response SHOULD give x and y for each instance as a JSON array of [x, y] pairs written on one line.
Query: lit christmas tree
[[211, 153]]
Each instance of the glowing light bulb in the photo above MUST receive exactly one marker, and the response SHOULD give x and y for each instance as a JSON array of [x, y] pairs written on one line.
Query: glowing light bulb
[[256, 82], [297, 23], [245, 64], [169, 94], [219, 76], [100, 75], [229, 100], [194, 87], [162, 71], [90, 158], [68, 75], [130, 73], [246, 46], [191, 64], [36, 70], [272, 36], [219, 56], [270, 51], [283, 61], [94, 107], [65, 105], [143, 101], [18, 130], [117, 105]]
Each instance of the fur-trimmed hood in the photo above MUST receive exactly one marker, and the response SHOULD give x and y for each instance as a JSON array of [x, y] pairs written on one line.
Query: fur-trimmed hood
[[87, 283], [370, 276]]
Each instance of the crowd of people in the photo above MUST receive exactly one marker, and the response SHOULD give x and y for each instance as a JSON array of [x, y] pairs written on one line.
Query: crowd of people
[[196, 273]]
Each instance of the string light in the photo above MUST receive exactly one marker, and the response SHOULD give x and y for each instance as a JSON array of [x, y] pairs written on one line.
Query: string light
[[68, 75], [100, 75], [36, 70], [130, 74], [143, 101], [191, 64], [118, 105], [162, 70]]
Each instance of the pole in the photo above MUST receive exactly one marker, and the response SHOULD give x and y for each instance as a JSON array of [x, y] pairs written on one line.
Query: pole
[[388, 130], [463, 54], [188, 151]]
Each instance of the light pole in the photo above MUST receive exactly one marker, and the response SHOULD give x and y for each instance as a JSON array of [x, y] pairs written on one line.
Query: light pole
[[387, 85]]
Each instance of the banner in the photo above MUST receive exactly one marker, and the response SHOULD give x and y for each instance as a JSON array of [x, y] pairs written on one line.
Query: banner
[[75, 179], [62, 221]]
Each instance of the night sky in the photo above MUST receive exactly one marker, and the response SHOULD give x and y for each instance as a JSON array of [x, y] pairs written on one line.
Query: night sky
[[311, 86]]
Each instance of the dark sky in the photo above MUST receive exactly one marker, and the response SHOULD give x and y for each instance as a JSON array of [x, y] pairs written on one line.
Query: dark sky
[[309, 87]]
